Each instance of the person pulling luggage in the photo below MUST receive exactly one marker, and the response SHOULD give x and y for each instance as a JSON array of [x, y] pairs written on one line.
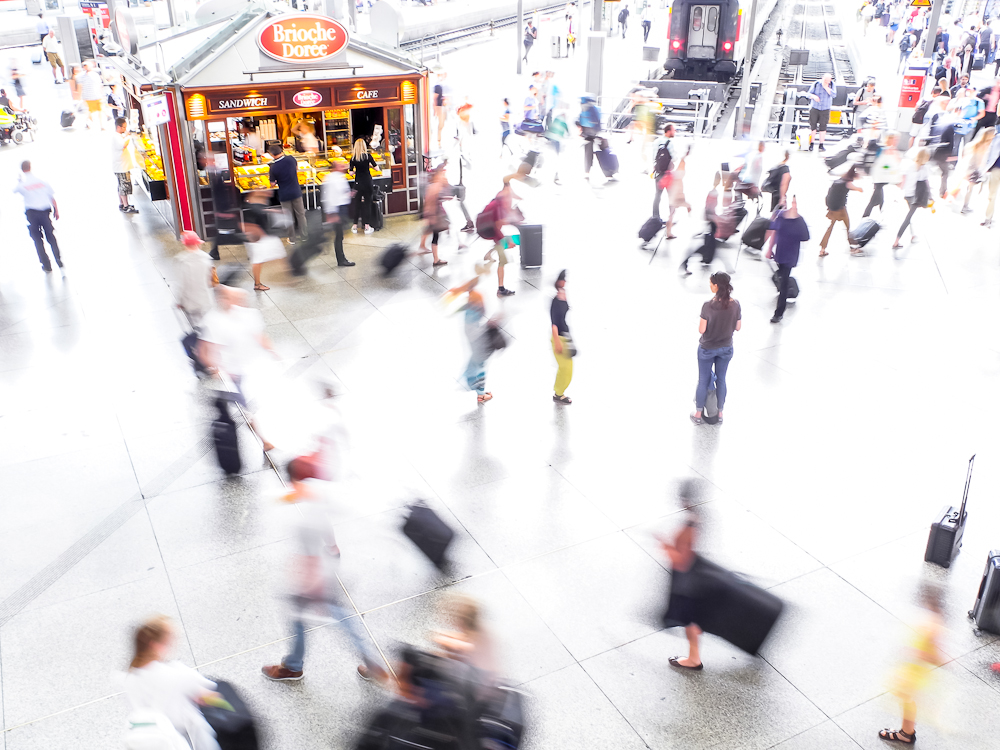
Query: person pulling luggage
[[589, 123], [836, 204], [884, 171], [663, 164], [788, 231]]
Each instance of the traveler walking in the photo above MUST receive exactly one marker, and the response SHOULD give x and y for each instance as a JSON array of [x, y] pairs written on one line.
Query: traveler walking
[[39, 203], [907, 42], [501, 212], [41, 28], [92, 91], [647, 22], [822, 93], [836, 204], [683, 606], [777, 181], [991, 170], [788, 232], [623, 19], [475, 332], [720, 319], [435, 216], [76, 90], [884, 171], [52, 50], [590, 127], [663, 164], [262, 246], [675, 193], [530, 35], [336, 197], [122, 163], [169, 687], [361, 164], [916, 191], [441, 102], [991, 97], [316, 583], [563, 348], [505, 126], [945, 153], [283, 172], [194, 280], [749, 174], [976, 166]]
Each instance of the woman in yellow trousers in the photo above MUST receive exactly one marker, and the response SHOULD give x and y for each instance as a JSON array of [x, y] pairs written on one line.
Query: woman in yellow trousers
[[562, 344]]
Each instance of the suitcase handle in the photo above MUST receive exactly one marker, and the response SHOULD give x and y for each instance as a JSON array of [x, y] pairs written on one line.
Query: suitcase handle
[[965, 492]]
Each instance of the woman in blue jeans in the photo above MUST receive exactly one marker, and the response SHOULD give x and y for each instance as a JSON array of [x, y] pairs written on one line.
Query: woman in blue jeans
[[720, 318]]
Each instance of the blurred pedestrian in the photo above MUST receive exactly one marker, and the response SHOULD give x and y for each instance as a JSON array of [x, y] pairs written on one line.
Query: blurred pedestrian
[[283, 172], [475, 313], [663, 165], [684, 589], [39, 204], [505, 126], [169, 687], [194, 280], [562, 345], [53, 50], [441, 102], [434, 215], [623, 19], [92, 92], [777, 181], [122, 163], [884, 171], [361, 164], [749, 174], [502, 211], [589, 123], [836, 204], [556, 134], [720, 318], [75, 89], [315, 584], [916, 191], [530, 35], [466, 129], [907, 41], [991, 170], [647, 21], [15, 78], [922, 659], [788, 231], [336, 197], [262, 246], [469, 641], [675, 193], [976, 166], [41, 28]]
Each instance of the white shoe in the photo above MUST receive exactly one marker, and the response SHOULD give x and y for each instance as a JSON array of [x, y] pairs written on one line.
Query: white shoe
[[354, 230], [369, 230]]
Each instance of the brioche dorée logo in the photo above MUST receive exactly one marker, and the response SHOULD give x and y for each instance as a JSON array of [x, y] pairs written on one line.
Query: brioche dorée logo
[[302, 37]]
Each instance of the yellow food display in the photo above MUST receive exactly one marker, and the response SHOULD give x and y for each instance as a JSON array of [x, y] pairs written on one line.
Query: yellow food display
[[152, 163]]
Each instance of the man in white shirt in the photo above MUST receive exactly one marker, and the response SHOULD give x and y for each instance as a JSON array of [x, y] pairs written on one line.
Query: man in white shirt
[[194, 279], [336, 195], [39, 202], [42, 28], [122, 163], [51, 48], [92, 91]]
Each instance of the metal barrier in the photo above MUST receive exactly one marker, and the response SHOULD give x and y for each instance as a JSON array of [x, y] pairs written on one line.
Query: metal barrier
[[783, 129], [695, 115]]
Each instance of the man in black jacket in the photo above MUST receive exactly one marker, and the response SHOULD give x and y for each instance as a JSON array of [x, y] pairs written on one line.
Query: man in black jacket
[[945, 70], [284, 172]]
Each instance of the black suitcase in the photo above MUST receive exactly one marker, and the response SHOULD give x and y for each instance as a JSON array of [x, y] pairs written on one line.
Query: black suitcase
[[190, 344], [234, 729], [865, 232], [649, 228], [392, 257], [531, 245], [793, 285], [227, 447], [835, 160], [607, 161], [755, 234], [986, 612], [501, 724], [979, 62], [377, 217], [742, 613], [947, 530], [67, 118], [306, 251], [425, 529]]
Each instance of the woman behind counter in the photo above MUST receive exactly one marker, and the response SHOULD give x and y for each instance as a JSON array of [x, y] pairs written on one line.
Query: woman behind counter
[[361, 162]]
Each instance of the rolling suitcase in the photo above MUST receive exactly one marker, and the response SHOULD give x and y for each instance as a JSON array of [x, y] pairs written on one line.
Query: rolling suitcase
[[531, 245], [865, 232], [740, 612], [67, 118], [979, 62], [947, 530], [227, 447], [392, 257], [607, 161], [38, 54], [649, 228], [986, 612], [501, 724], [306, 251], [755, 234], [425, 529], [835, 160], [793, 285], [234, 729]]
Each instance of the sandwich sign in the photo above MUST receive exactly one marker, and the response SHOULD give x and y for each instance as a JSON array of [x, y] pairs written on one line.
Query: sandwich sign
[[302, 38]]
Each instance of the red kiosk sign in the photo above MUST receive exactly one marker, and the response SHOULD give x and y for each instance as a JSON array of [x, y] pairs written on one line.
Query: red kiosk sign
[[302, 38]]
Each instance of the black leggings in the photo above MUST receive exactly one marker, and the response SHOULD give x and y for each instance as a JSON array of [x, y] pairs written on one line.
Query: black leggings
[[364, 207], [434, 237], [909, 215], [877, 199]]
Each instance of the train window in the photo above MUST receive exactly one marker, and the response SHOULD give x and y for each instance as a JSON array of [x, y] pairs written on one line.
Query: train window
[[696, 20], [713, 18]]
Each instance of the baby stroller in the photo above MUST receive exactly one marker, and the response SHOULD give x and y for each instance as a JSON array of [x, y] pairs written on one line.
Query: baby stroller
[[15, 125]]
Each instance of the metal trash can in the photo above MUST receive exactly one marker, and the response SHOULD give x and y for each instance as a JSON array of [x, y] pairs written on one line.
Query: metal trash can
[[650, 54], [557, 46]]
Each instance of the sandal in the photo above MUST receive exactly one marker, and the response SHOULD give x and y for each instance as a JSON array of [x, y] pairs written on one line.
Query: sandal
[[897, 735], [565, 400], [670, 237], [896, 246], [823, 253], [675, 662], [485, 397], [260, 288], [440, 263]]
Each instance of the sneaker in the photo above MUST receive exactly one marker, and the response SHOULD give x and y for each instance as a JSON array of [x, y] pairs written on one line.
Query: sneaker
[[811, 146], [279, 673], [354, 230], [822, 147], [59, 263], [131, 210], [369, 230], [47, 269], [696, 419], [965, 210], [775, 318], [469, 227], [122, 208], [504, 292]]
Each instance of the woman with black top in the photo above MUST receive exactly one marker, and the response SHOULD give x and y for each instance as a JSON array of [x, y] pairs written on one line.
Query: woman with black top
[[776, 183], [261, 245], [720, 318], [562, 345], [361, 162], [682, 609]]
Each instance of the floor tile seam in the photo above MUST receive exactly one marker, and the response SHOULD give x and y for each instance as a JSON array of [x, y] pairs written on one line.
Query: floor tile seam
[[321, 349], [234, 553], [880, 545], [23, 724], [607, 697]]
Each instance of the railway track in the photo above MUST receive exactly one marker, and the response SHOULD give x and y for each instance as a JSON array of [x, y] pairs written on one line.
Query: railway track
[[455, 35]]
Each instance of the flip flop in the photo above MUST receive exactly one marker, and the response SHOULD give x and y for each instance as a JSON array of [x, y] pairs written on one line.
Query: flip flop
[[260, 288], [440, 263], [823, 253]]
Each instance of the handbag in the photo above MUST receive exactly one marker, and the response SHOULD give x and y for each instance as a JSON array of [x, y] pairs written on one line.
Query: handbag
[[568, 346]]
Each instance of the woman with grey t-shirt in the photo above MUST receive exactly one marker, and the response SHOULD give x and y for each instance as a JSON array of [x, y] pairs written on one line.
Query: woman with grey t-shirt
[[720, 318]]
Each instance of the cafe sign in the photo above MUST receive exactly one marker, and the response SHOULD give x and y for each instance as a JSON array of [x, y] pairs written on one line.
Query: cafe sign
[[359, 93], [302, 38]]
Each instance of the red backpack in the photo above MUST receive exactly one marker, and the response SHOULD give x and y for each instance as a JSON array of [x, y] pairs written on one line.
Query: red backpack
[[489, 217]]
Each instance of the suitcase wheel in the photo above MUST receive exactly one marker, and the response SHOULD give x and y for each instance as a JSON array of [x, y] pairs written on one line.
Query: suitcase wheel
[[972, 614], [977, 632]]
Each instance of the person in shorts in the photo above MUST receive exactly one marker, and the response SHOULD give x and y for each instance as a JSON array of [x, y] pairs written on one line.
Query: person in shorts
[[822, 93], [122, 163], [50, 46]]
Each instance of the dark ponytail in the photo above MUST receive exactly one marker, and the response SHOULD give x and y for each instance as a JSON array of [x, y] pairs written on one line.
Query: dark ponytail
[[724, 284]]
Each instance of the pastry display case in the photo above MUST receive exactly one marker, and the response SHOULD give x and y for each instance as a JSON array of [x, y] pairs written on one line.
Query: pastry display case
[[153, 179]]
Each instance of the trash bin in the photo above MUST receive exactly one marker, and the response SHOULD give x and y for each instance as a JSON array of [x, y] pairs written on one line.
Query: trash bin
[[557, 46]]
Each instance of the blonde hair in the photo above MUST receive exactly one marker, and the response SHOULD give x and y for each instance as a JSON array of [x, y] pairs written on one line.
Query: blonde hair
[[360, 149], [465, 612], [153, 631], [922, 157]]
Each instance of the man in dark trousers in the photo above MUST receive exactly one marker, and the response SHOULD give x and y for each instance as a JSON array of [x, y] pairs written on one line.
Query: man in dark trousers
[[39, 202], [284, 172], [623, 19], [946, 71], [662, 163], [788, 231], [991, 97]]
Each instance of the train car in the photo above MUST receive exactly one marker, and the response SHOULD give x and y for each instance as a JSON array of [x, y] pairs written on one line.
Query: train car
[[706, 41]]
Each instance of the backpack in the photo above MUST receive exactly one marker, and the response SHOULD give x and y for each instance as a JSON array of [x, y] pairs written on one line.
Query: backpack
[[921, 111], [622, 16], [663, 162], [906, 43], [486, 221], [772, 184], [836, 196], [589, 121]]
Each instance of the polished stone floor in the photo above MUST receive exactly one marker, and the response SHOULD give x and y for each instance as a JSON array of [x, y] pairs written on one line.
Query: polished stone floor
[[848, 426]]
